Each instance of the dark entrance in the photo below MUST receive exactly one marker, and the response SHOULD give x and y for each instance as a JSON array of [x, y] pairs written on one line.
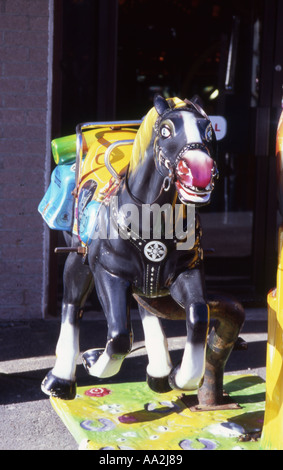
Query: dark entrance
[[222, 52]]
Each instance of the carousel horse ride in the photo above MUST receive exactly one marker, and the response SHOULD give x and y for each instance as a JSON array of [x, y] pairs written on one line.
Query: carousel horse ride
[[168, 161]]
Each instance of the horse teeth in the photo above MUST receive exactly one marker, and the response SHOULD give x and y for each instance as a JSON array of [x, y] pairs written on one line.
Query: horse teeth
[[196, 190]]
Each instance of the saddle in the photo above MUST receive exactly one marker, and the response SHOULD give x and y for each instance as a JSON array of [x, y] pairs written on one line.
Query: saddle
[[90, 166]]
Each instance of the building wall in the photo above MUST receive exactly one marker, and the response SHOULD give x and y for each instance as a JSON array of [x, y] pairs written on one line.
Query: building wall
[[25, 82]]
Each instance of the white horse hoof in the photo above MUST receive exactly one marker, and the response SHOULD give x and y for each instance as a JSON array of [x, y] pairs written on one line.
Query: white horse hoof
[[99, 364]]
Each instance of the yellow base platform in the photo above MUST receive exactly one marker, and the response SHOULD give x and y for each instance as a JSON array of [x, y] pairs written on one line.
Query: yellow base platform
[[130, 416]]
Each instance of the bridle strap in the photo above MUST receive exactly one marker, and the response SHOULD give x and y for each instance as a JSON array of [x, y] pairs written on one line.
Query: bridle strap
[[165, 187], [168, 180]]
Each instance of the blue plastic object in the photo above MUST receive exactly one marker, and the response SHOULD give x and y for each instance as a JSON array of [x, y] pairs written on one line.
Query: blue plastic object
[[56, 206], [88, 229]]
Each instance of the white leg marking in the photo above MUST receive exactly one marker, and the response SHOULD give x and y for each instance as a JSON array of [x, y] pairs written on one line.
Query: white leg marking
[[67, 352], [192, 367], [156, 345]]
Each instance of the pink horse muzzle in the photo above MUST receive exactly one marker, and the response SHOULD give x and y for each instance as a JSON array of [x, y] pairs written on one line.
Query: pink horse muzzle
[[195, 172]]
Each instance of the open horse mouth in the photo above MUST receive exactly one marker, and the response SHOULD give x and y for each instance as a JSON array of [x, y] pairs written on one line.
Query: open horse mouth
[[195, 172]]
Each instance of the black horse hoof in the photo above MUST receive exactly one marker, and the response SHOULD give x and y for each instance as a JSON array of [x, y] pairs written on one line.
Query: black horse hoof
[[59, 388], [107, 362], [99, 363], [172, 379], [193, 384], [158, 384]]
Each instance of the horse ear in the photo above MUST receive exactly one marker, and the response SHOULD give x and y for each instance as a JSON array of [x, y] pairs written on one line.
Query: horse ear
[[197, 103], [160, 104]]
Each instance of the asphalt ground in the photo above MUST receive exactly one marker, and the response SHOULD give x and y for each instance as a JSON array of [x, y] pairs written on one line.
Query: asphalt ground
[[27, 352]]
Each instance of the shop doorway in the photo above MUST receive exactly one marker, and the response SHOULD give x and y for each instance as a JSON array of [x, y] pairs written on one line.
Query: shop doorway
[[217, 51]]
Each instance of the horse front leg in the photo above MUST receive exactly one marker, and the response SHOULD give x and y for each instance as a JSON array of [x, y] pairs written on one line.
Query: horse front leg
[[114, 295], [60, 382], [188, 291], [159, 365]]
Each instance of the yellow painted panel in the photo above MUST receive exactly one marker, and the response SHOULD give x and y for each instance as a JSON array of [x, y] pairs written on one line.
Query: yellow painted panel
[[272, 436]]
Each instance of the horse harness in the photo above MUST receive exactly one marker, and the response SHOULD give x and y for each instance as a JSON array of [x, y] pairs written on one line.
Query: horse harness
[[154, 254]]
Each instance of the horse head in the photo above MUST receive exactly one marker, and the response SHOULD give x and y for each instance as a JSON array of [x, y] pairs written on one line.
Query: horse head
[[185, 146]]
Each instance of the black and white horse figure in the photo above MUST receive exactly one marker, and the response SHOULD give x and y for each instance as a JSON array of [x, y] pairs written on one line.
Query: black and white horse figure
[[173, 164]]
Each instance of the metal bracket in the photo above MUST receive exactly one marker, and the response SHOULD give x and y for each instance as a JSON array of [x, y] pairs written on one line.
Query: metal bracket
[[81, 250], [191, 402], [108, 152]]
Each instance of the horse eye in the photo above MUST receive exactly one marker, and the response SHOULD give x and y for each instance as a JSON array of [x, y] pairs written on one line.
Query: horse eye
[[165, 132], [209, 133]]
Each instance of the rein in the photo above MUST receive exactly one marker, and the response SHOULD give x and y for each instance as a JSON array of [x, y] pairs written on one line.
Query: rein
[[165, 187]]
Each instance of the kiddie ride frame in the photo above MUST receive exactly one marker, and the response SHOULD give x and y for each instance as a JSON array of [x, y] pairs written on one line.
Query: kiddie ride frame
[[108, 157], [272, 435]]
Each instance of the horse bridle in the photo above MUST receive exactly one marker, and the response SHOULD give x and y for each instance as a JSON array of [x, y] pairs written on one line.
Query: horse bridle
[[171, 167], [169, 179]]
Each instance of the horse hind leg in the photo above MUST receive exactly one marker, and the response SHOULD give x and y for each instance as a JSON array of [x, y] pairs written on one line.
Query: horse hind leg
[[60, 382], [159, 365]]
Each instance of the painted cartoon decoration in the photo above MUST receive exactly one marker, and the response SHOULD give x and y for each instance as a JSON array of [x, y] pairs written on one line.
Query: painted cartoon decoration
[[123, 247]]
